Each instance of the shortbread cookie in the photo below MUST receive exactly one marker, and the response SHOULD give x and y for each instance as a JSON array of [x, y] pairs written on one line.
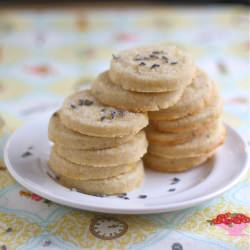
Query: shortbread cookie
[[63, 167], [204, 144], [82, 113], [195, 97], [60, 134], [113, 95], [169, 165], [114, 185], [187, 123], [163, 138], [126, 153], [152, 69]]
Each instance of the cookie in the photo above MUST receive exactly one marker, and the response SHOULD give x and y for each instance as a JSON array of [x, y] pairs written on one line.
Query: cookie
[[126, 153], [61, 135], [82, 113], [63, 167], [163, 138], [169, 165], [195, 97], [190, 122], [122, 183], [113, 95], [152, 69], [203, 144]]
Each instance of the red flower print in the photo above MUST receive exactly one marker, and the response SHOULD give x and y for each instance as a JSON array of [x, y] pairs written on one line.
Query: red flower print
[[36, 197], [233, 223], [41, 70], [125, 37]]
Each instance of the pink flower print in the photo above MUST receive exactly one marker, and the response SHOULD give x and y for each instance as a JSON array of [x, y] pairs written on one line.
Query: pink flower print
[[36, 197]]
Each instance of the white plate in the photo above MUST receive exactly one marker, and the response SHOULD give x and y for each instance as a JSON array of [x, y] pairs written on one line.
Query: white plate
[[27, 151]]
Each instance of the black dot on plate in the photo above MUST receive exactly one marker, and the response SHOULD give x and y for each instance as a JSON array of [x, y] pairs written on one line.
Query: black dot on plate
[[177, 246], [122, 195], [171, 190], [142, 196], [26, 154], [175, 180], [47, 243], [99, 195]]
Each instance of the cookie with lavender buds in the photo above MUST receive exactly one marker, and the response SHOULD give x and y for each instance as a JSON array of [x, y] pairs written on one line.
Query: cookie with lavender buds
[[82, 113], [61, 135], [211, 112], [195, 97], [152, 69], [114, 95]]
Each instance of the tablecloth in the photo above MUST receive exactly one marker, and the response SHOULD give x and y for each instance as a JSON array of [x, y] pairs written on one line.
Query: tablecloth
[[47, 54]]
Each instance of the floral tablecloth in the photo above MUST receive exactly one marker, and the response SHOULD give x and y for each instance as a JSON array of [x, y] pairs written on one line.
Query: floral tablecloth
[[45, 55]]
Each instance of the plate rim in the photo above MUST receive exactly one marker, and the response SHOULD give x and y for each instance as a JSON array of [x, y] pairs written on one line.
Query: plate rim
[[147, 210]]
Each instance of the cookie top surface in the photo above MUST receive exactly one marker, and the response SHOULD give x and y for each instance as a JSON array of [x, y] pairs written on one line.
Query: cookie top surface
[[152, 69], [60, 134], [114, 95], [201, 86], [196, 97], [82, 113], [211, 111]]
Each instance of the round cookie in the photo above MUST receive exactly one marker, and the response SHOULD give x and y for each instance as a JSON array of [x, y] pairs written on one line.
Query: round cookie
[[204, 144], [82, 113], [187, 123], [61, 135], [126, 153], [163, 138], [63, 167], [152, 69], [113, 95], [169, 165], [114, 185], [195, 97]]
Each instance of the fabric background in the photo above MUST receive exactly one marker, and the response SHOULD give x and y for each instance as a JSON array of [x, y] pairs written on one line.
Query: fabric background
[[46, 55]]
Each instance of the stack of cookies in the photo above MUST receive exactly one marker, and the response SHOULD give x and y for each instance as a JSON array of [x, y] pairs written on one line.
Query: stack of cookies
[[183, 104], [145, 79], [188, 133], [97, 134], [97, 149]]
